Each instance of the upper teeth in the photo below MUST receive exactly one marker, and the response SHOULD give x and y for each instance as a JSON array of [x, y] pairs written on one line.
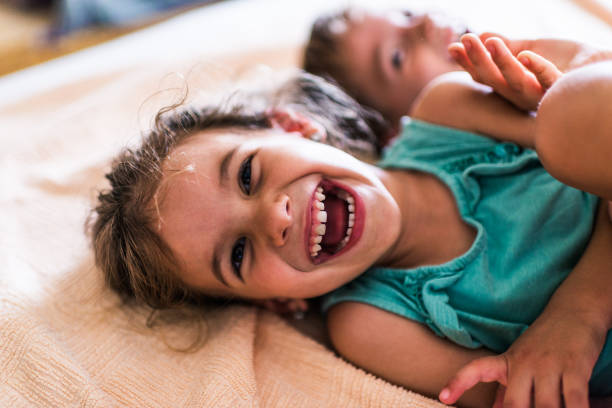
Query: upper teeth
[[318, 227]]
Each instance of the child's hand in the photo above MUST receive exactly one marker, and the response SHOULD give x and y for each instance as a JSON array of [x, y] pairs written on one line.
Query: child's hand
[[522, 79], [551, 361], [485, 369]]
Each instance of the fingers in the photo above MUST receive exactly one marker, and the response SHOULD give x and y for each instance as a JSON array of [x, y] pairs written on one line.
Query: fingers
[[457, 52], [515, 46], [518, 390], [487, 34], [484, 69], [486, 369], [521, 79], [545, 71], [512, 70], [547, 391], [575, 392], [499, 397]]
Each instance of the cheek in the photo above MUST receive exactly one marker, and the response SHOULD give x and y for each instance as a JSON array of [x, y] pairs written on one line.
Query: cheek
[[402, 93], [272, 276]]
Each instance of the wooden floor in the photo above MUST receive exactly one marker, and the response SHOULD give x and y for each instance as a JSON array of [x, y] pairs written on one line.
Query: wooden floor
[[23, 37]]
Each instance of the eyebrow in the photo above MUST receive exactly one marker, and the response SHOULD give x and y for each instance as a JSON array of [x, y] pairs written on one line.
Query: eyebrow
[[216, 263], [223, 168]]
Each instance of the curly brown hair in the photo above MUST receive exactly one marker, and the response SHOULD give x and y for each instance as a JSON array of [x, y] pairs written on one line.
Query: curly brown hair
[[136, 262]]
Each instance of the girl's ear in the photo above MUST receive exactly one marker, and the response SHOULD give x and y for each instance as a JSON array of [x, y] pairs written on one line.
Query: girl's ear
[[291, 121]]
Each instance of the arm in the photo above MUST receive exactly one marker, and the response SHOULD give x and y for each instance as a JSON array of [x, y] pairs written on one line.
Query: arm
[[573, 136], [567, 55], [455, 100], [493, 60], [494, 64], [544, 357], [401, 351]]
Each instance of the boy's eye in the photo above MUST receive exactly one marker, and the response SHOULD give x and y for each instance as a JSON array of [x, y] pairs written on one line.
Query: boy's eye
[[244, 175], [397, 58], [237, 255]]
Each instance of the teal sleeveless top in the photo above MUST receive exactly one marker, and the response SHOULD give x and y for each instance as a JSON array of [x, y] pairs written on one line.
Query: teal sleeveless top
[[531, 231]]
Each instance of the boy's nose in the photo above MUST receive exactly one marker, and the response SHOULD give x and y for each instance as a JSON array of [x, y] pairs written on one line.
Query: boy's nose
[[276, 220]]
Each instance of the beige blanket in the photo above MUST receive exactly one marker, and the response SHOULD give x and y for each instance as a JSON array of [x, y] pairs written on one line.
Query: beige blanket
[[64, 339]]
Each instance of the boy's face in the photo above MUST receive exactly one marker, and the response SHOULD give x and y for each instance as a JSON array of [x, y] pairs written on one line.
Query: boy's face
[[390, 57], [241, 213]]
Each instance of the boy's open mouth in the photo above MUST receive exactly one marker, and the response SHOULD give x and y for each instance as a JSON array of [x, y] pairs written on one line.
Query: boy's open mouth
[[335, 222]]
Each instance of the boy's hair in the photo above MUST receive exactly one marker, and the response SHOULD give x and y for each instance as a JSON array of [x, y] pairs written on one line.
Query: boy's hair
[[136, 262]]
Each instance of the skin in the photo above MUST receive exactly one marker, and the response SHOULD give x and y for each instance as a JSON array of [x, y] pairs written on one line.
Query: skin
[[423, 209], [276, 262], [414, 208], [391, 57], [571, 108], [272, 218]]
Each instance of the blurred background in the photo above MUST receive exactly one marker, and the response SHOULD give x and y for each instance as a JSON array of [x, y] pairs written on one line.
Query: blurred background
[[33, 31]]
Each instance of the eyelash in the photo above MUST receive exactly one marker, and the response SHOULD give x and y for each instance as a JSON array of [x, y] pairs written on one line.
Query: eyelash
[[237, 255], [244, 180], [396, 59], [245, 173]]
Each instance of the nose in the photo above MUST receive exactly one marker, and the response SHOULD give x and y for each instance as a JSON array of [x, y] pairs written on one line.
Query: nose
[[275, 220]]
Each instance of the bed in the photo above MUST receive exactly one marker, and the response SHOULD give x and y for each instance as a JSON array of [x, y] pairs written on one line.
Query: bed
[[65, 340]]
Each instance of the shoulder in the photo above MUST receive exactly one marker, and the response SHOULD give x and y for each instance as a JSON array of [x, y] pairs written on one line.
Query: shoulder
[[444, 97]]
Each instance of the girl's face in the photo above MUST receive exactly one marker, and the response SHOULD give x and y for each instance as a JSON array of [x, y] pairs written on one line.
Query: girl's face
[[391, 57], [270, 214]]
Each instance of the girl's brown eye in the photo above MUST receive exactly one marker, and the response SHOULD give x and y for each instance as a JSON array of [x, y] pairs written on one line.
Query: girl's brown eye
[[237, 255], [397, 58], [244, 175]]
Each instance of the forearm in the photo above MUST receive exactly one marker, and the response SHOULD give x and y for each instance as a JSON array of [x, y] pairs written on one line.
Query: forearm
[[455, 100], [586, 291], [402, 351]]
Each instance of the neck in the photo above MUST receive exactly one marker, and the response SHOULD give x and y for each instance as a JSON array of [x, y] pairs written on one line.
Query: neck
[[427, 210]]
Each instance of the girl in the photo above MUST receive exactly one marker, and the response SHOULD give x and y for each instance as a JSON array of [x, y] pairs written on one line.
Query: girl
[[382, 59], [442, 254], [385, 59]]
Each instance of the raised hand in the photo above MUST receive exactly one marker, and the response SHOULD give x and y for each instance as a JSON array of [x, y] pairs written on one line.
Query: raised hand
[[522, 79]]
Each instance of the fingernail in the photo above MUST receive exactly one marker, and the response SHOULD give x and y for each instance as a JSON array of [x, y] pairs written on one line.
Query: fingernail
[[444, 394], [524, 61], [454, 54], [491, 49], [466, 43]]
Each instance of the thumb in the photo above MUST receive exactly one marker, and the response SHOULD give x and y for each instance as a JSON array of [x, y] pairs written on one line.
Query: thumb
[[486, 369]]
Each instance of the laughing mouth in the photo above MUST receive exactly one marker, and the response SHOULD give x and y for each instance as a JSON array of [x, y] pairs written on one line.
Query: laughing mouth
[[332, 221]]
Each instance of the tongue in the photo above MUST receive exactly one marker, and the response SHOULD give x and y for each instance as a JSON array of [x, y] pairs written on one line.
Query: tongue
[[335, 226]]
